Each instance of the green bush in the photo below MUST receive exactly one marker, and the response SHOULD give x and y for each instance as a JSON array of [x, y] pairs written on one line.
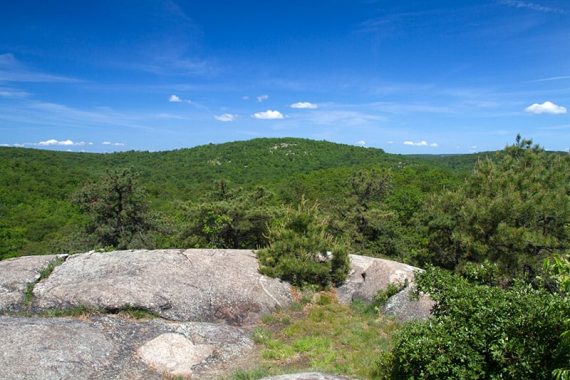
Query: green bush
[[239, 220], [481, 332], [299, 247]]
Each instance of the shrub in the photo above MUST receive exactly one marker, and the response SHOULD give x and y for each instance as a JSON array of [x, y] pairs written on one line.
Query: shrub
[[301, 250], [480, 331]]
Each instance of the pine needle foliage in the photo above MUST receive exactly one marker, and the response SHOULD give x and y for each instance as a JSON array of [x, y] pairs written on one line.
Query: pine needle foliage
[[513, 210], [302, 251]]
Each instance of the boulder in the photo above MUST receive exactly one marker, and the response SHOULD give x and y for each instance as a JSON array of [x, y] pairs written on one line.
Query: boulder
[[184, 285], [110, 347], [409, 306], [174, 354], [15, 275], [368, 275]]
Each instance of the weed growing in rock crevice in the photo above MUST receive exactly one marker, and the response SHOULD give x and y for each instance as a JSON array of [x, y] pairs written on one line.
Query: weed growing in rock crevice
[[44, 273]]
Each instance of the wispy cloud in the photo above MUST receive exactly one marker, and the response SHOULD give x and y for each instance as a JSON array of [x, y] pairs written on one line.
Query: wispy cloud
[[304, 105], [12, 93], [343, 117], [421, 143], [262, 98], [226, 117], [360, 143], [546, 107], [59, 115], [113, 143], [268, 115], [532, 6], [392, 107], [561, 77], [11, 70]]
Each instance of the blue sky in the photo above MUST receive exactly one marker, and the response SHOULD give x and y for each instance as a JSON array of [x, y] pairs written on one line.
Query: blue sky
[[406, 76]]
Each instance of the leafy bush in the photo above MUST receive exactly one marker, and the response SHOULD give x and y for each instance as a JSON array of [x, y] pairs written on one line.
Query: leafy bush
[[557, 269], [480, 331], [301, 250]]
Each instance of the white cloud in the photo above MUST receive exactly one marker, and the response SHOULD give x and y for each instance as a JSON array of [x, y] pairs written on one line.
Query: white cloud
[[245, 97], [361, 143], [262, 98], [226, 117], [546, 107], [13, 145], [304, 106], [174, 99], [112, 143], [54, 142], [268, 115], [420, 143]]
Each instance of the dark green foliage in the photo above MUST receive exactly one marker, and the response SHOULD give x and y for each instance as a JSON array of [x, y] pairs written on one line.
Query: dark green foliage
[[482, 332], [557, 270], [236, 219], [301, 250], [38, 217], [383, 296], [117, 208], [12, 239], [513, 210], [485, 273]]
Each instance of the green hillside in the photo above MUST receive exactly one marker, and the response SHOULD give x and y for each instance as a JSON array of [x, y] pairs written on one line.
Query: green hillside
[[36, 186]]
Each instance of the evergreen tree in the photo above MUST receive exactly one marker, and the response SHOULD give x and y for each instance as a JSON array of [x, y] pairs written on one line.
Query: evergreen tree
[[301, 250], [117, 208], [514, 210]]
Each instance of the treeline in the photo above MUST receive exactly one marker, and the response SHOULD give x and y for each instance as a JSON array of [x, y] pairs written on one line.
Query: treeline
[[38, 190]]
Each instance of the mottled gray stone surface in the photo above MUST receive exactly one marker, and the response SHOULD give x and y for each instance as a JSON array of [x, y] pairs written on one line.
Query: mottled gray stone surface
[[15, 274], [407, 306], [184, 285], [109, 347], [368, 275]]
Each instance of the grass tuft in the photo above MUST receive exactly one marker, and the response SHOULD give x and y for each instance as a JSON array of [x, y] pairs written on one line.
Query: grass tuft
[[323, 336]]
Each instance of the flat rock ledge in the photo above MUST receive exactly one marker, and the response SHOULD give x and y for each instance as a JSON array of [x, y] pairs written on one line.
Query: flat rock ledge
[[109, 347], [206, 285], [201, 296], [15, 275]]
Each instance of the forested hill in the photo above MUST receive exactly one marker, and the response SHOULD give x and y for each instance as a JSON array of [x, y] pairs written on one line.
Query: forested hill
[[36, 186], [184, 173]]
